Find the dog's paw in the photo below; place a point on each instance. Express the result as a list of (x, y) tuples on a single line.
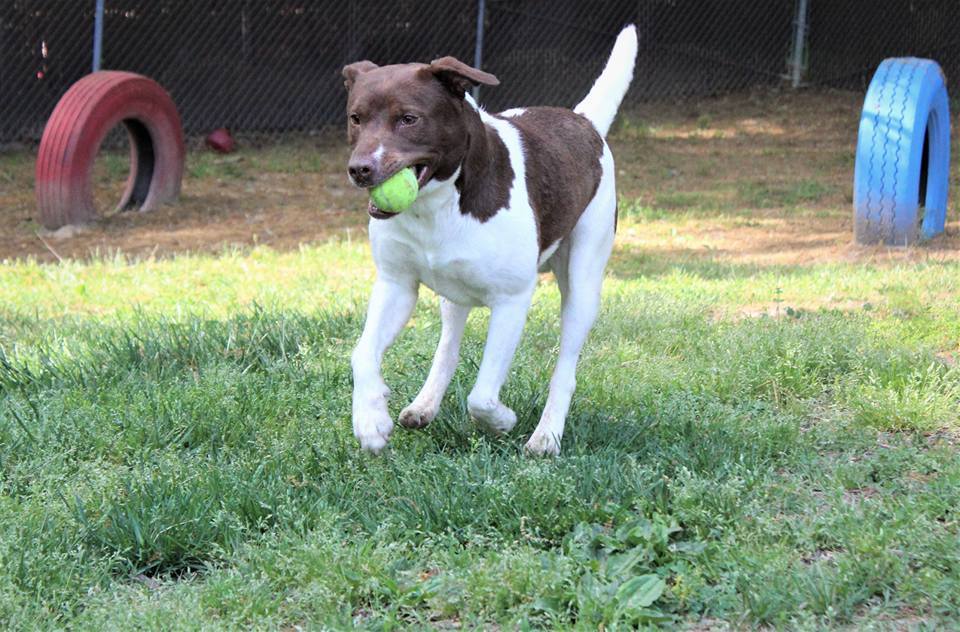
[(496, 417), (542, 444), (415, 417), (374, 443), (504, 421), (372, 428)]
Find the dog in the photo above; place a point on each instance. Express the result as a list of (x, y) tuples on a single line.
[(502, 197)]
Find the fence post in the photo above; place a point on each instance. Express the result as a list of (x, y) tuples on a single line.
[(799, 42), (98, 36), (478, 51)]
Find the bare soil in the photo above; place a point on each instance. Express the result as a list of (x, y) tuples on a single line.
[(762, 178), (768, 176)]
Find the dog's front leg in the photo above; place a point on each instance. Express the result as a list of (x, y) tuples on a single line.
[(390, 307), (507, 318), (425, 406)]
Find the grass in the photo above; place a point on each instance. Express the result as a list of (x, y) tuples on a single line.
[(176, 447), (754, 441)]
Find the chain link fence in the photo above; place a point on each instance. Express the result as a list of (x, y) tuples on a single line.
[(274, 65), (44, 48), (848, 40)]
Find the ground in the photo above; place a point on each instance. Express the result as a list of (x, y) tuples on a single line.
[(765, 431), (784, 199)]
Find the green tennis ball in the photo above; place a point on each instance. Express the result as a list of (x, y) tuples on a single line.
[(397, 192)]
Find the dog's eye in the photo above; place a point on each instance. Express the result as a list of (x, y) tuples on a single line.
[(355, 119), (409, 119)]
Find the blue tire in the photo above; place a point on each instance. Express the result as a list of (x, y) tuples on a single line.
[(905, 112)]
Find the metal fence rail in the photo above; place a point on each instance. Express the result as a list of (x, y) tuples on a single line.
[(274, 65)]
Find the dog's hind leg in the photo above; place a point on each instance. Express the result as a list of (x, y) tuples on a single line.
[(507, 318), (579, 267), (390, 307), (424, 407)]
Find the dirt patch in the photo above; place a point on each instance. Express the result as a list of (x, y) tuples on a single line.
[(762, 178), (282, 195), (792, 240)]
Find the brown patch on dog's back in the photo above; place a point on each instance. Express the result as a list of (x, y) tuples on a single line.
[(562, 152)]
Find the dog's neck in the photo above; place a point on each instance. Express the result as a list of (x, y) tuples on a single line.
[(480, 184)]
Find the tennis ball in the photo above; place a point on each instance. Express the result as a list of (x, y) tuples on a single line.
[(397, 192)]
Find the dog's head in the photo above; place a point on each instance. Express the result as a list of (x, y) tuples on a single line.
[(408, 115)]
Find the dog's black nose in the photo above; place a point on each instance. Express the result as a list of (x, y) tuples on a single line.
[(361, 172)]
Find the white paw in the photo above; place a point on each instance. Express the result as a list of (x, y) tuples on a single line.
[(372, 427), (497, 417), (374, 443), (542, 444), (414, 416), (503, 421)]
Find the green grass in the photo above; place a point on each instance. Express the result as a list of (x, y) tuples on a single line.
[(766, 195), (295, 155), (176, 452)]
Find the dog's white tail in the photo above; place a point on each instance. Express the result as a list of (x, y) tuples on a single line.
[(601, 104)]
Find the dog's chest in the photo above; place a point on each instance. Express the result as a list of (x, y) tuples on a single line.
[(460, 258)]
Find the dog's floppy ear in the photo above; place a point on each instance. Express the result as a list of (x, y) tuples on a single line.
[(459, 77), (351, 71)]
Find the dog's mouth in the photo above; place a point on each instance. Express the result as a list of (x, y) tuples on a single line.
[(423, 173), (374, 211)]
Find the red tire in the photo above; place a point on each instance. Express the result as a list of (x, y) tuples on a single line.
[(77, 127)]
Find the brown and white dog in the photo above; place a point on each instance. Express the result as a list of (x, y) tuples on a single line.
[(502, 196)]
